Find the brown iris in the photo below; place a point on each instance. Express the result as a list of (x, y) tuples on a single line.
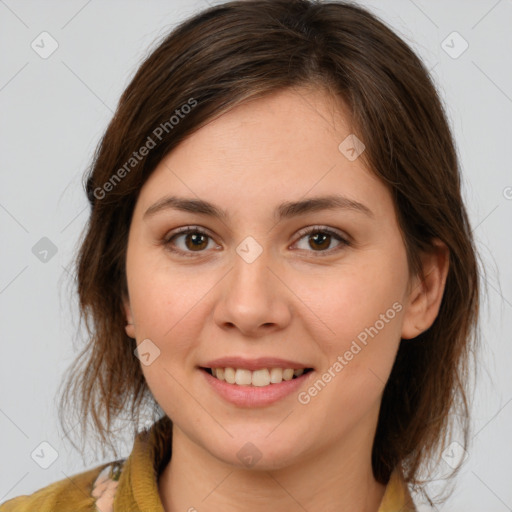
[(196, 241), (320, 238)]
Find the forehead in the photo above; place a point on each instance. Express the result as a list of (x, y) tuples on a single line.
[(276, 148)]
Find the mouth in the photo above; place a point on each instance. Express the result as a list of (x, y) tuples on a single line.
[(262, 377)]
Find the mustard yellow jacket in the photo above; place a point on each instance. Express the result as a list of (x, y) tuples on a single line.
[(131, 485)]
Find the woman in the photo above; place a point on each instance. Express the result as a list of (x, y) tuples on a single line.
[(279, 260)]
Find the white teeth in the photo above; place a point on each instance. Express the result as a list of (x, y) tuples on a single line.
[(259, 378), (288, 374), (276, 375), (243, 377), (229, 375)]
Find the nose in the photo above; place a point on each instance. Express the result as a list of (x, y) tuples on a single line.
[(253, 299)]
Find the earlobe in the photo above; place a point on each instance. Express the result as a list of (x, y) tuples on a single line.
[(427, 293), (130, 324)]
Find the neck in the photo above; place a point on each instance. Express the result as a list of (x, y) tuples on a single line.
[(331, 480)]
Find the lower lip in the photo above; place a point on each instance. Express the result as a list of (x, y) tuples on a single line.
[(255, 396)]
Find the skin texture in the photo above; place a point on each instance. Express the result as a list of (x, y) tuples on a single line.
[(300, 300)]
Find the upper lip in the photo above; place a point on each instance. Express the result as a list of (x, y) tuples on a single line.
[(254, 364)]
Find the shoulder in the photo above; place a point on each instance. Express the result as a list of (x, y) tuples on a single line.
[(89, 491)]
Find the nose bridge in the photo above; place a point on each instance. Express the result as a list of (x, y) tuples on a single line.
[(251, 276), (253, 297)]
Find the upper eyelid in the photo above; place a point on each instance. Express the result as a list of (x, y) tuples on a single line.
[(319, 227)]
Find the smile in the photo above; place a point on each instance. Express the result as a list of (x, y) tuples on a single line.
[(255, 388), (258, 378)]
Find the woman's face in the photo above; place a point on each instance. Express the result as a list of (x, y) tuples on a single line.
[(259, 284)]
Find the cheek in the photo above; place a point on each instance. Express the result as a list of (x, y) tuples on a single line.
[(356, 298), (156, 294), (167, 310), (168, 304), (361, 307)]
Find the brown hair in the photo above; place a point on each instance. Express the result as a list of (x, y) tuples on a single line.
[(242, 50)]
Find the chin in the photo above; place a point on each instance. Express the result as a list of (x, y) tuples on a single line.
[(259, 451)]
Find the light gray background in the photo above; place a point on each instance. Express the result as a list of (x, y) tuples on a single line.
[(53, 112)]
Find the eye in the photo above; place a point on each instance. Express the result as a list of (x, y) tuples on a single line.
[(320, 239), (194, 240)]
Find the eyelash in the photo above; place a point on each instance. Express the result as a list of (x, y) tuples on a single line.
[(167, 241)]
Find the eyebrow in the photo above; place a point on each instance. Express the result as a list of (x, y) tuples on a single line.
[(283, 211)]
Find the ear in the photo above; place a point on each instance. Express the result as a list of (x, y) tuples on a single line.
[(425, 296), (130, 324)]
